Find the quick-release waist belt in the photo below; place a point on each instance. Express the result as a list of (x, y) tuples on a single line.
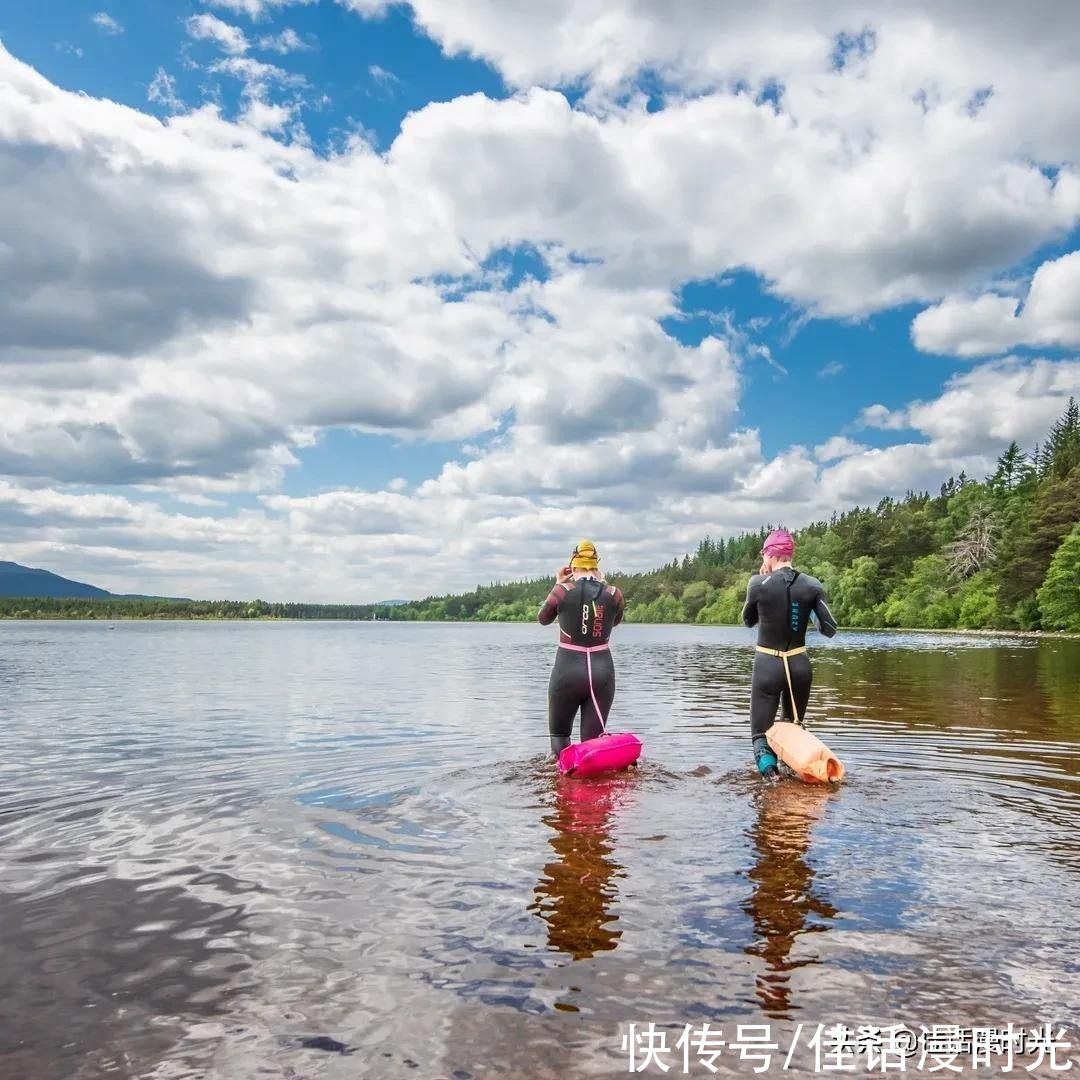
[(780, 652), (583, 648)]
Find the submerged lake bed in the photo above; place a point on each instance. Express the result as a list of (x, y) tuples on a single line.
[(338, 849)]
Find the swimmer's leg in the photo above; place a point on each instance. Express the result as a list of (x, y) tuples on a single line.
[(564, 698), (603, 686), (559, 744), (764, 701), (802, 678)]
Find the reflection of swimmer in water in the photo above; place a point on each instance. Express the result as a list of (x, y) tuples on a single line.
[(576, 890), (583, 676), (780, 601), (784, 896)]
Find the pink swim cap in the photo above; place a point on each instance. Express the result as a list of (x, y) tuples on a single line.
[(779, 544)]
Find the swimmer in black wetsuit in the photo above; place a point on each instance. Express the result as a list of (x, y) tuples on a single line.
[(779, 601), (583, 676)]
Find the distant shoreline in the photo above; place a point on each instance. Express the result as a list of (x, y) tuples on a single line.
[(1036, 635)]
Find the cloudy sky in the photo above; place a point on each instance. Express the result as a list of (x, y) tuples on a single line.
[(336, 300)]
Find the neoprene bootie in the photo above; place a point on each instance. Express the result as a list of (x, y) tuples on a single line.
[(765, 758)]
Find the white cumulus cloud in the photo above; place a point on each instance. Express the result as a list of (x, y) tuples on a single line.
[(836, 447), (994, 323)]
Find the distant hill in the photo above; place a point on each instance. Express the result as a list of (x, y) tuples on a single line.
[(390, 603), (27, 581), (16, 580)]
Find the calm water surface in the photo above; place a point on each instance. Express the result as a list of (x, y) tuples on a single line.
[(337, 850)]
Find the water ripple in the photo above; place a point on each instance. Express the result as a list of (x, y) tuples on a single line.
[(274, 850)]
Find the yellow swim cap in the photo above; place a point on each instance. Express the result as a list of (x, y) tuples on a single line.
[(585, 557)]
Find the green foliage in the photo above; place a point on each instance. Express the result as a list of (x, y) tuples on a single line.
[(726, 607), (1000, 554), (695, 597), (923, 598), (1059, 596), (861, 592), (1013, 469), (1062, 451), (116, 608), (664, 609), (978, 599)]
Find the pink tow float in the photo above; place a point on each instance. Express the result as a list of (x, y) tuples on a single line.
[(609, 752)]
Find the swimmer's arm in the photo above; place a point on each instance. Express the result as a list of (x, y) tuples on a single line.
[(620, 606), (825, 621), (750, 611), (550, 607)]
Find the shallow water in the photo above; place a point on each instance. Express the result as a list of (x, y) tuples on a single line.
[(337, 850)]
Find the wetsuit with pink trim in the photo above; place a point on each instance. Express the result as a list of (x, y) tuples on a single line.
[(583, 676)]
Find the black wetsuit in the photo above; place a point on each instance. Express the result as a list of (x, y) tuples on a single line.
[(780, 605), (587, 610)]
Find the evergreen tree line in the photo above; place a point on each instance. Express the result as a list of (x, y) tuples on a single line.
[(111, 608), (998, 553)]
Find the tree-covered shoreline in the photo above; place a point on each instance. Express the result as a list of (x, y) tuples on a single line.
[(252, 613), (1002, 554)]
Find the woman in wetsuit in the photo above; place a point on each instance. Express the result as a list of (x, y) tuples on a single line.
[(779, 601), (583, 676)]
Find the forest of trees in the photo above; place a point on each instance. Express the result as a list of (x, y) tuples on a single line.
[(116, 607), (998, 553)]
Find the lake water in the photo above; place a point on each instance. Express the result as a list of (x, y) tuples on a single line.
[(337, 850)]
